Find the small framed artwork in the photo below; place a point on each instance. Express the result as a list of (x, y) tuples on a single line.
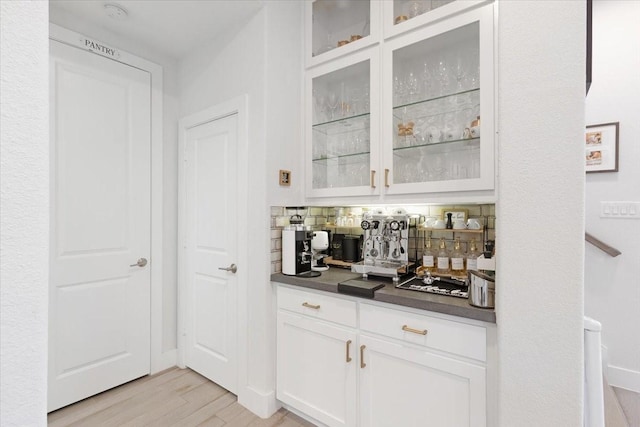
[(601, 147), (455, 214)]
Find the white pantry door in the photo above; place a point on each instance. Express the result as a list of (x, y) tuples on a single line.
[(210, 221), (99, 309)]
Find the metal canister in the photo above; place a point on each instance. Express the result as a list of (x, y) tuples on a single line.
[(482, 289)]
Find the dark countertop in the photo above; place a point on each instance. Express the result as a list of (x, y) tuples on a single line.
[(329, 280)]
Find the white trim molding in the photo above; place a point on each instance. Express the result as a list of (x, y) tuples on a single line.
[(623, 378), (159, 360)]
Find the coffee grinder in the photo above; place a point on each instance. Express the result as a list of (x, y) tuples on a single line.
[(296, 251), (319, 245)]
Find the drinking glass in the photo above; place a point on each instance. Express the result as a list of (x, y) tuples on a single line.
[(333, 100), (426, 80), (443, 77), (412, 87)]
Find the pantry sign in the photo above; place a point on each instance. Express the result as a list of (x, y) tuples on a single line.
[(100, 48)]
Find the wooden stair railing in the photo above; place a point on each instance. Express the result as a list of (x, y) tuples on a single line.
[(601, 245)]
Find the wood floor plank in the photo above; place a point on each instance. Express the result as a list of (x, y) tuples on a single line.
[(173, 398), (299, 420), (212, 422), (72, 413), (275, 420), (207, 411), (196, 399)]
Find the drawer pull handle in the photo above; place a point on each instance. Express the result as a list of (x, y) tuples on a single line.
[(348, 356), (315, 307), (362, 364), (415, 331)]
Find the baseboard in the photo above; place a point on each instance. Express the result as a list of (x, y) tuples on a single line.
[(623, 378), (260, 403), (166, 360)]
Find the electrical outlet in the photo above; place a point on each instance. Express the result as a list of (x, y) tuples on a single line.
[(623, 210)]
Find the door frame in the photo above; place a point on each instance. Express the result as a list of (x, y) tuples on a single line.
[(240, 107), (159, 360)]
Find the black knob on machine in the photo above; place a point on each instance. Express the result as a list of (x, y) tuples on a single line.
[(365, 225)]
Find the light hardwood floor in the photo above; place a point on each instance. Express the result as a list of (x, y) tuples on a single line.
[(175, 397)]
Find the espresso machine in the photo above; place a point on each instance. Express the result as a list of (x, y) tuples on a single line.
[(386, 244), (296, 251)]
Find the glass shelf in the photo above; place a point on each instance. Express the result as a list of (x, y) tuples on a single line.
[(454, 100), (343, 124), (343, 159), (445, 146)]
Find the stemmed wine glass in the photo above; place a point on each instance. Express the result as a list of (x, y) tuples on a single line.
[(333, 101)]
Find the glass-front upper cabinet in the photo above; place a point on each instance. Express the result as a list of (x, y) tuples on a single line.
[(438, 130), (404, 15), (341, 142), (338, 27)]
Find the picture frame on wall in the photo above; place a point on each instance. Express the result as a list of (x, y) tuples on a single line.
[(601, 147)]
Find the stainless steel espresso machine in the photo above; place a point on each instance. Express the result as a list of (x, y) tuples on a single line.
[(386, 244), (296, 251)]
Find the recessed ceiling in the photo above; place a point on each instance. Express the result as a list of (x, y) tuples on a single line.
[(170, 27)]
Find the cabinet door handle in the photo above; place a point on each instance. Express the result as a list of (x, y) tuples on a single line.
[(373, 178), (362, 364), (348, 356), (415, 331), (315, 307), (386, 178)]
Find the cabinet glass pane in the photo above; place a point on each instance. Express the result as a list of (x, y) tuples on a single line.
[(341, 128), (436, 108), (407, 9), (338, 22)]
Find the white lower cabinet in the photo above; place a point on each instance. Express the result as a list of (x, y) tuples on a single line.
[(317, 369), (349, 363), (411, 387)]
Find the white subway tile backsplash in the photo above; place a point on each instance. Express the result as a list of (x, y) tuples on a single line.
[(320, 217)]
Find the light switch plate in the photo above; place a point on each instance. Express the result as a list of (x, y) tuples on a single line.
[(285, 178), (623, 210)]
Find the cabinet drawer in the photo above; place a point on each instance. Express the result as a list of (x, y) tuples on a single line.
[(433, 332), (318, 306)]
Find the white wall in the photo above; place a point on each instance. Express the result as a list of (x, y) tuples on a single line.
[(24, 217), (612, 285), (285, 136), (540, 250)]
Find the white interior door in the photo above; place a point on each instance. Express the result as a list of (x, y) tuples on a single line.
[(210, 203), (99, 312)]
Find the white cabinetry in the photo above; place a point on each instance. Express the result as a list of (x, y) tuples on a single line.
[(316, 366), (407, 382), (345, 362), (401, 113)]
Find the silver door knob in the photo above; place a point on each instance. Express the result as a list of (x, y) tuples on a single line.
[(141, 263), (232, 268)]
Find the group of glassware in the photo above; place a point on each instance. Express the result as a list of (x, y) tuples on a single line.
[(351, 143), (415, 8), (341, 172), (340, 102), (441, 166), (454, 72)]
